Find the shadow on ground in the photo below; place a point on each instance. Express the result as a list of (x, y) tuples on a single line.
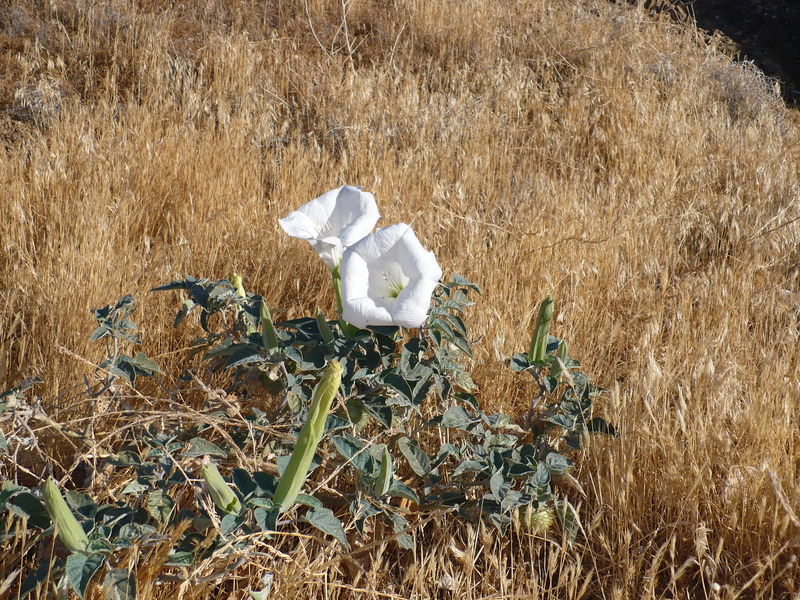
[(765, 31)]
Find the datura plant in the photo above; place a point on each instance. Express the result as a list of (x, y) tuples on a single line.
[(367, 424)]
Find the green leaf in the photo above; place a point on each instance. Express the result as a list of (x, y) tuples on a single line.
[(334, 423), (404, 540), (160, 505), (456, 417), (600, 425), (244, 356), (3, 443), (541, 478), (146, 364), (99, 333), (499, 485), (179, 558), (119, 584), (82, 504), (417, 459), (458, 280), (519, 363), (561, 420), (184, 311), (200, 447), (29, 507), (81, 568), (352, 449), (401, 490), (231, 523), (37, 577), (324, 520), (398, 383), (243, 481), (469, 466), (557, 463)]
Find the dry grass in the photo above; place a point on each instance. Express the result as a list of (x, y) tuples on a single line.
[(573, 147)]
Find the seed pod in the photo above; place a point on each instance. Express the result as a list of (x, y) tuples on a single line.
[(221, 493), (69, 530), (357, 414), (310, 436), (539, 340), (540, 520), (561, 353)]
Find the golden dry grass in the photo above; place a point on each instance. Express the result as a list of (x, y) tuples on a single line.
[(590, 150)]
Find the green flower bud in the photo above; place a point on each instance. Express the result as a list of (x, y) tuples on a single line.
[(310, 436), (268, 335), (385, 475), (324, 328), (69, 530), (221, 493), (539, 340)]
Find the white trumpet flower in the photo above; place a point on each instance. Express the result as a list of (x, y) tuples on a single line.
[(333, 221), (388, 279)]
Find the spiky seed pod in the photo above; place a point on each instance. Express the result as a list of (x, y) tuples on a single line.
[(310, 435), (69, 530), (541, 520), (538, 348), (221, 493), (357, 414)]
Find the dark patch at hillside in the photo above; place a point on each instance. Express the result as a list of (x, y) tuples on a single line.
[(765, 31)]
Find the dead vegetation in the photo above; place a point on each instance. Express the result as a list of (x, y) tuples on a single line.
[(590, 150)]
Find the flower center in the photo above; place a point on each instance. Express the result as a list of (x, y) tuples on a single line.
[(396, 284)]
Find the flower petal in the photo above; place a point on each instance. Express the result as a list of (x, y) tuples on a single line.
[(411, 307), (334, 220), (298, 225)]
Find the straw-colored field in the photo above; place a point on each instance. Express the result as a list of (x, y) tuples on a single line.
[(585, 149)]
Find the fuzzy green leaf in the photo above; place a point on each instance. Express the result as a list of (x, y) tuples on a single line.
[(80, 569), (417, 459), (324, 520)]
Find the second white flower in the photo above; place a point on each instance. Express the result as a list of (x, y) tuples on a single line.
[(388, 279)]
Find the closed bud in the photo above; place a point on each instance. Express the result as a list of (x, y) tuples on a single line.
[(221, 493), (324, 328), (310, 436), (538, 348), (385, 475), (69, 530), (268, 335)]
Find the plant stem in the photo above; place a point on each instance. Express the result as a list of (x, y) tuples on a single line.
[(347, 329)]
